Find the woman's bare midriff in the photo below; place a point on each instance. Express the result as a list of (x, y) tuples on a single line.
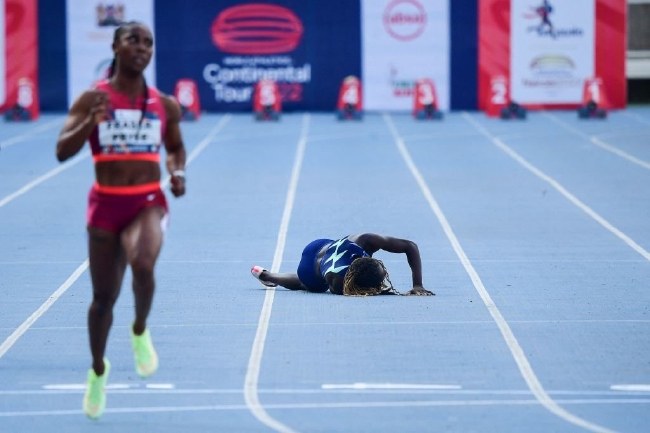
[(125, 173)]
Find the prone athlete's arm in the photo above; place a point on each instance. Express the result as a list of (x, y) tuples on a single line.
[(372, 242)]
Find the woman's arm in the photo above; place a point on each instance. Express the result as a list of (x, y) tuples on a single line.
[(372, 242), (174, 145), (86, 112), (335, 281)]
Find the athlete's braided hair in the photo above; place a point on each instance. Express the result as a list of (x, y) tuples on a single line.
[(111, 70), (366, 277)]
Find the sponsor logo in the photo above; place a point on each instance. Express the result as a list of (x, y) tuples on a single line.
[(401, 87), (552, 65), (405, 20), (256, 28), (257, 35), (545, 27), (109, 14), (234, 81)]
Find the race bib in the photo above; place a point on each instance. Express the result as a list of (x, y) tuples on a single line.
[(126, 134)]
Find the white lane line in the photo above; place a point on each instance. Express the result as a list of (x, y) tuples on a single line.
[(163, 386), (631, 387), (598, 142), (65, 387), (636, 117), (22, 137), (361, 385), (76, 160), (337, 405), (136, 389), (326, 137), (110, 386), (418, 137), (377, 323), (211, 262), (208, 139), (562, 124), (517, 352), (615, 150), (622, 134), (555, 184), (11, 340), (254, 362)]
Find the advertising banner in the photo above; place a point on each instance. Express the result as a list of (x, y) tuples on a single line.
[(18, 59), (552, 50), (90, 29), (307, 48), (403, 41), (545, 50)]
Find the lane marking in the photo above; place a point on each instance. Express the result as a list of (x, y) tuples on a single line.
[(136, 389), (517, 352), (631, 387), (255, 361), (110, 386), (11, 340), (65, 387), (22, 137), (164, 386), (361, 385), (598, 142), (50, 174), (418, 137), (211, 262), (636, 117), (622, 134), (615, 150), (337, 405), (555, 184), (401, 323)]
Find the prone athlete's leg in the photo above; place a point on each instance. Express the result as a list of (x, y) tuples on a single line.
[(142, 242), (107, 265), (288, 281)]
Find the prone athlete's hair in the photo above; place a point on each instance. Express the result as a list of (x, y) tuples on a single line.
[(111, 69), (366, 277)]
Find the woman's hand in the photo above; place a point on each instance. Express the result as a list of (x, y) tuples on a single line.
[(419, 291), (98, 105), (177, 182)]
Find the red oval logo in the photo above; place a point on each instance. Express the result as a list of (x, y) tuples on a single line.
[(256, 28), (405, 20)]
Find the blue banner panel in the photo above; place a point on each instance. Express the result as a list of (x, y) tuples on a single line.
[(227, 46), (464, 54), (52, 77)]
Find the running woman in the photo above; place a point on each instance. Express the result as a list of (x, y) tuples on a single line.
[(126, 123)]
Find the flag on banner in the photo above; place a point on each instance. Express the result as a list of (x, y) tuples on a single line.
[(90, 29)]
